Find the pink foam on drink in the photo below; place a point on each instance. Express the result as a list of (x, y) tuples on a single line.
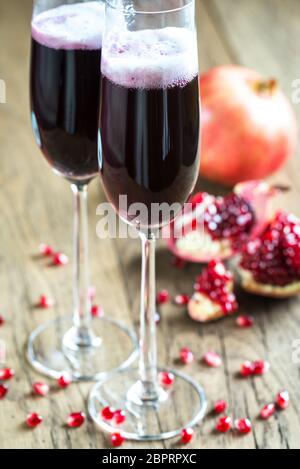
[(75, 26), (156, 58)]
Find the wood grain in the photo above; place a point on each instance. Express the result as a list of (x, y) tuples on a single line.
[(36, 206)]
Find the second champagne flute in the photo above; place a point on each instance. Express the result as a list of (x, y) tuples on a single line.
[(65, 90), (150, 134)]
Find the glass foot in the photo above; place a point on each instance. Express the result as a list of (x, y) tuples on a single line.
[(48, 349), (181, 406)]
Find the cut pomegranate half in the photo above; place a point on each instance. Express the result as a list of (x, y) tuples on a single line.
[(270, 263), (213, 297), (219, 226)]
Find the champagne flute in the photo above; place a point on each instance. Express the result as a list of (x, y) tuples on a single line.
[(149, 124), (65, 90)]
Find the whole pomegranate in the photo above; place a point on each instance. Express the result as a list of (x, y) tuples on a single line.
[(249, 128)]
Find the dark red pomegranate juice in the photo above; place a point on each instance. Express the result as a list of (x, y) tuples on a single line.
[(65, 87), (150, 120)]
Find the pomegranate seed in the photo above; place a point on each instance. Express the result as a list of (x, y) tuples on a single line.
[(3, 391), (46, 302), (107, 413), (117, 439), (6, 374), (267, 411), (60, 259), (76, 419), (212, 359), (178, 263), (64, 380), (186, 356), (2, 320), (197, 198), (181, 300), (162, 297), (46, 250), (157, 317), (220, 406), (97, 311), (224, 424), (187, 435), (243, 425), (33, 420), (119, 417), (282, 399), (166, 378), (244, 321), (247, 369), (260, 367), (40, 389)]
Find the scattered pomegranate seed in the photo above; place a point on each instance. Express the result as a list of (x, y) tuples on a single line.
[(33, 420), (64, 380), (212, 359), (97, 311), (187, 435), (119, 417), (107, 413), (2, 320), (6, 374), (243, 425), (46, 302), (282, 399), (244, 321), (220, 406), (46, 250), (247, 369), (186, 356), (166, 378), (224, 424), (197, 198), (260, 367), (60, 259), (117, 439), (267, 411), (178, 263), (40, 389), (3, 391), (181, 300), (162, 297), (76, 419)]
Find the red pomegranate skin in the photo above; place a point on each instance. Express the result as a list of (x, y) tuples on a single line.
[(246, 133)]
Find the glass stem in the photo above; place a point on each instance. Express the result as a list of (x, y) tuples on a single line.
[(81, 300), (148, 348)]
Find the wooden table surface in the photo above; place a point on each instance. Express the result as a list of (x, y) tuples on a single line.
[(36, 206)]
